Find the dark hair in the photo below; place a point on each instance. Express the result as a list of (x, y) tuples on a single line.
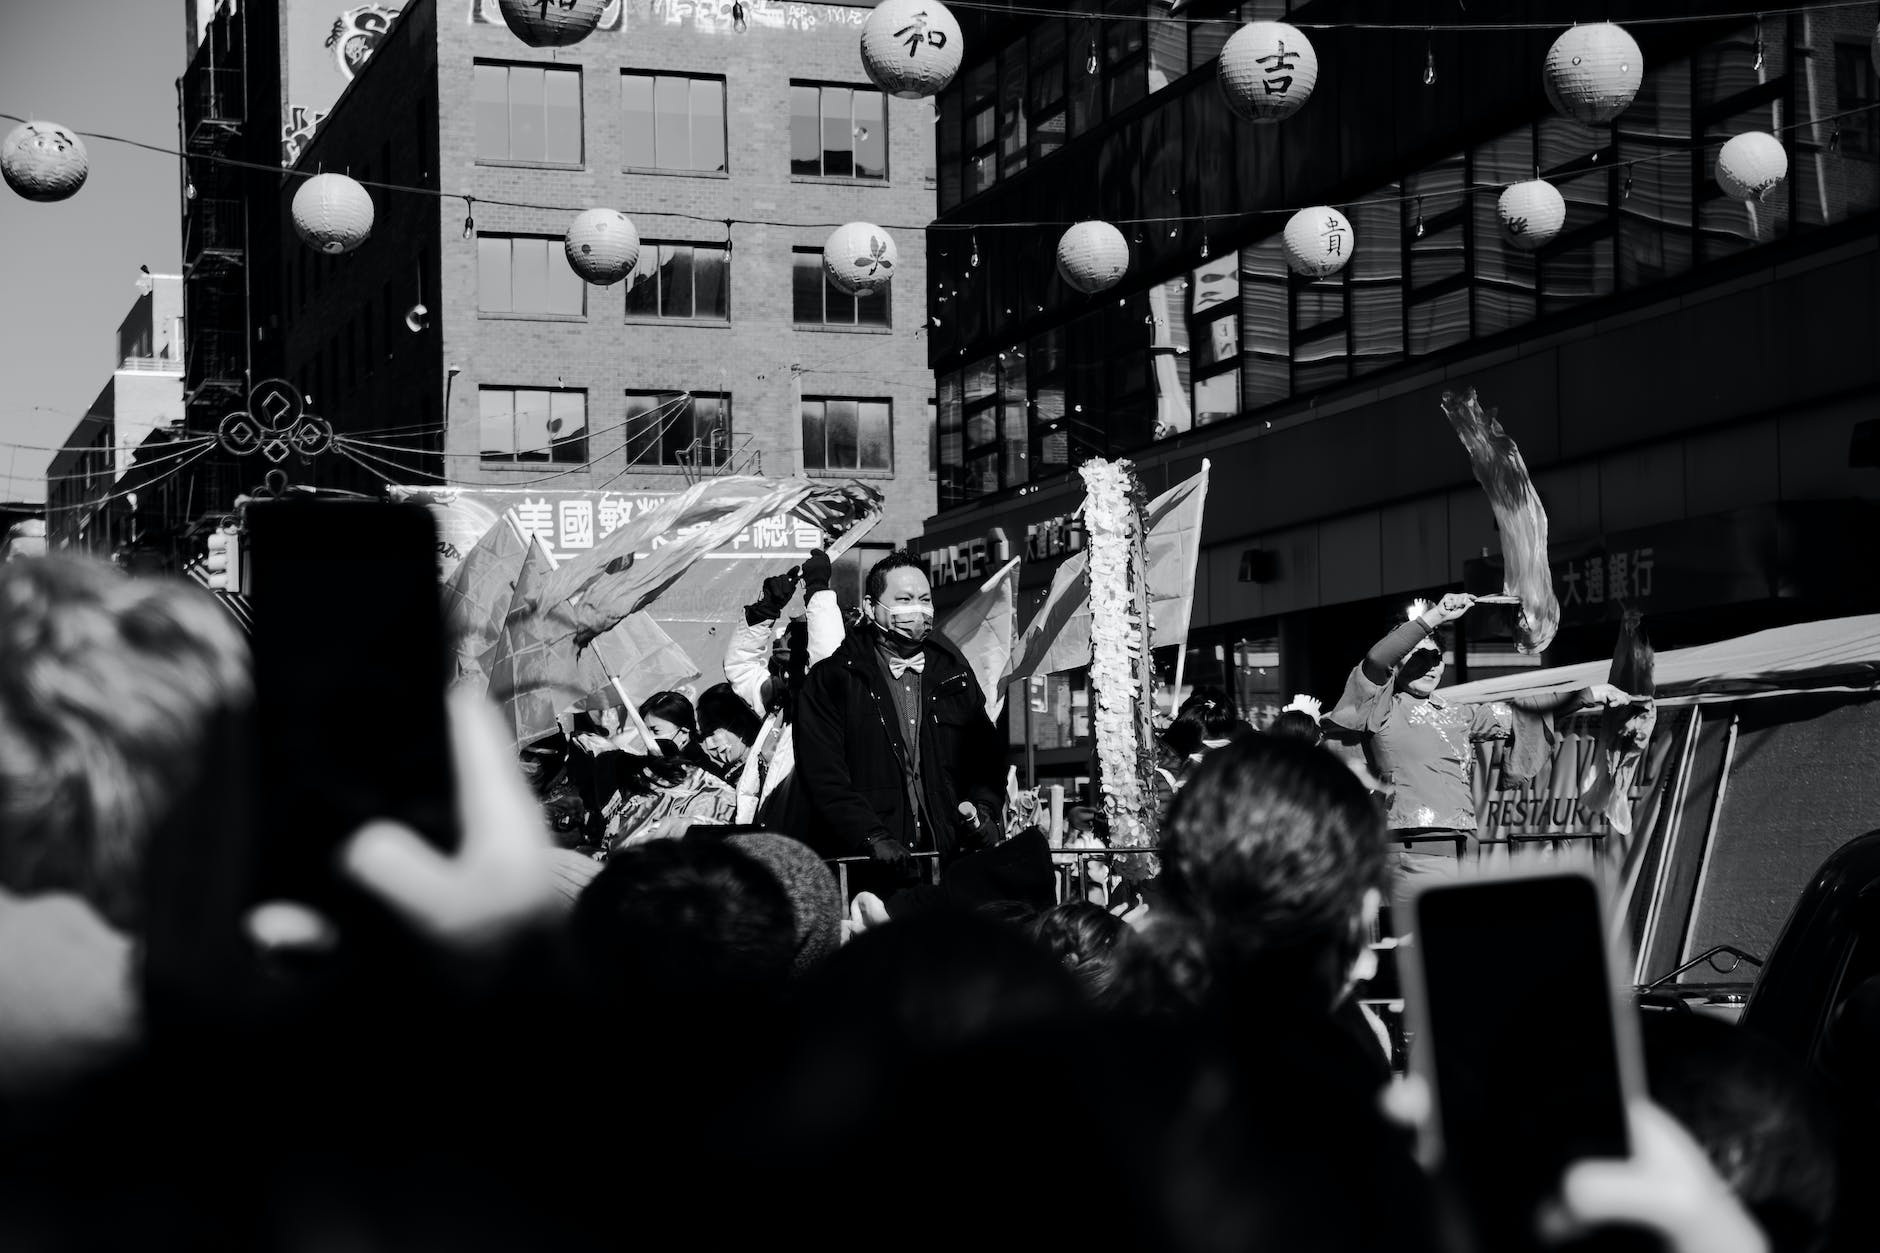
[(1760, 1115), (1183, 737), (720, 707), (683, 919), (671, 707), (1270, 848), (899, 559), (1212, 711), (1083, 938), (1296, 724)]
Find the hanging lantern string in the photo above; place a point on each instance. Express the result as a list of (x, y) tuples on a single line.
[(1176, 19), (1667, 154)]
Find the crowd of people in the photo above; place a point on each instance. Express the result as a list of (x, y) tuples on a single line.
[(633, 1003)]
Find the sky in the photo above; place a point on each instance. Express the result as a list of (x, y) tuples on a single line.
[(68, 273)]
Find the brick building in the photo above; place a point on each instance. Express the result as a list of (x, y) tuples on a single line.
[(724, 352)]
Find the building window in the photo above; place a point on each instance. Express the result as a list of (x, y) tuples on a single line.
[(838, 132), (689, 429), (844, 434), (528, 113), (1214, 339), (818, 302), (680, 280), (1856, 92), (527, 274), (530, 424), (673, 121)]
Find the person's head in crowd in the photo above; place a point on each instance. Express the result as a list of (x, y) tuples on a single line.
[(685, 920), (815, 899), (1210, 711), (1759, 1116), (1274, 851), (668, 767), (899, 601), (544, 763), (1181, 739), (109, 686), (1422, 671), (1296, 724), (727, 726), (1083, 937), (669, 716)]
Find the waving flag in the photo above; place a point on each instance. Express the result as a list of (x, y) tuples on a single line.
[(533, 673), (1058, 636), (1174, 546), (477, 597), (981, 627), (1518, 515), (640, 654)]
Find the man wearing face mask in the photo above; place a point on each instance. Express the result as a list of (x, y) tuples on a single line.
[(1421, 748), (894, 753)]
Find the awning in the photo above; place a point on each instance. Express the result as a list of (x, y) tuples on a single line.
[(1837, 653)]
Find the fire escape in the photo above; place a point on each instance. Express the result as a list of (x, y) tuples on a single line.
[(215, 245)]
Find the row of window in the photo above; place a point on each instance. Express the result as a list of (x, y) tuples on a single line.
[(1430, 269), (532, 114), (675, 429), (679, 280)]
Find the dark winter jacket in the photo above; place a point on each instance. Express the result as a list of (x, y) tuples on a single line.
[(851, 757)]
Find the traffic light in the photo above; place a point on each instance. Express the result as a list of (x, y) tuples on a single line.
[(224, 562)]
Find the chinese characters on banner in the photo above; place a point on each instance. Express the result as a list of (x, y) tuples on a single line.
[(1605, 577), (567, 522)]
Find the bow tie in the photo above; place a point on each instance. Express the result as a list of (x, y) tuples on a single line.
[(898, 666)]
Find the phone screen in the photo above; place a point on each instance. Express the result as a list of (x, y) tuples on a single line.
[(350, 667), (1519, 1012)]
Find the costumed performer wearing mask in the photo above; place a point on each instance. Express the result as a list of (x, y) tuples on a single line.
[(1421, 748), (894, 752)]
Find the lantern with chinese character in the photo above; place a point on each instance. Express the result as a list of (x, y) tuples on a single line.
[(551, 23), (1093, 256), (333, 213), (1531, 213), (911, 48), (1318, 242), (44, 161), (1267, 71), (1593, 72), (859, 258), (1751, 165), (602, 246)]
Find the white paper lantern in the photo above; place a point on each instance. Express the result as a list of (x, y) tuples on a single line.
[(1751, 165), (859, 258), (602, 246), (1093, 256), (911, 48), (551, 23), (1267, 71), (1318, 242), (332, 213), (44, 161), (1593, 72), (1532, 213)]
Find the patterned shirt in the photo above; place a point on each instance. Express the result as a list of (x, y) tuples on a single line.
[(1422, 750)]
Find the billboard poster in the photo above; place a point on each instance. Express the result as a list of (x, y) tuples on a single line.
[(698, 612), (325, 43)]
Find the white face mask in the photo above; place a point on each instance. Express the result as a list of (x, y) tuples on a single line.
[(911, 622)]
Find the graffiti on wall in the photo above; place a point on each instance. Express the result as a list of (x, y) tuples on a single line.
[(709, 16), (357, 33), (297, 131)]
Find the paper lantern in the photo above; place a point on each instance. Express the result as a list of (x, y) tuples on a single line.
[(1267, 71), (44, 161), (1593, 72), (602, 246), (911, 48), (1093, 256), (1318, 242), (1531, 213), (332, 213), (551, 23), (859, 258), (1751, 165)]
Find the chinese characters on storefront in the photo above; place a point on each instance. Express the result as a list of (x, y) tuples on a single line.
[(1623, 576)]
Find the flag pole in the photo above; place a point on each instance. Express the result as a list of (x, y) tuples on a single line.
[(633, 713), (1181, 649)]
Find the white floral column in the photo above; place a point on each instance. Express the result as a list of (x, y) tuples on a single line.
[(1119, 661)]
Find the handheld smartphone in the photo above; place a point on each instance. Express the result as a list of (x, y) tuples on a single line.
[(1528, 1045), (351, 664)]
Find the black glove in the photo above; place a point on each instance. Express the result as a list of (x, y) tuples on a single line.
[(816, 573), (973, 824), (892, 854), (778, 589)]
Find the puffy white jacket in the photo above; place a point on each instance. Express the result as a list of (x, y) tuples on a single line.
[(747, 669)]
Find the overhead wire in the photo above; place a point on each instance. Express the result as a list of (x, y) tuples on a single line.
[(96, 501)]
